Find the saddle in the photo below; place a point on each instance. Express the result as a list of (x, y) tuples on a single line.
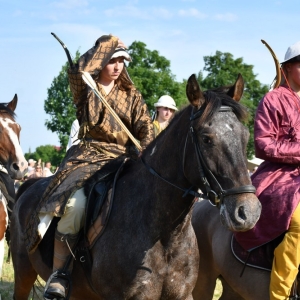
[(99, 190), (260, 257)]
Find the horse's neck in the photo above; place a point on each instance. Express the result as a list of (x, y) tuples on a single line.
[(165, 157), (166, 153)]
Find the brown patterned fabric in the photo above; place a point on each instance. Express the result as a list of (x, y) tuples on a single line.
[(102, 137)]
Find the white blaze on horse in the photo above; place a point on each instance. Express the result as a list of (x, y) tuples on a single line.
[(13, 164)]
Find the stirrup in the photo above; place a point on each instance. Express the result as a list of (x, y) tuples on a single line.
[(62, 275)]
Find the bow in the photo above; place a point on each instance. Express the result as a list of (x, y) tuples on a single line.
[(277, 79), (66, 50)]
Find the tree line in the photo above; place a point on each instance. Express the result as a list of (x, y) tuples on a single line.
[(151, 73)]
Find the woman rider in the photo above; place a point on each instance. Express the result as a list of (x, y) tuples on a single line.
[(102, 139)]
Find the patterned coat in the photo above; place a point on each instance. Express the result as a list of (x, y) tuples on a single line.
[(102, 137), (277, 179)]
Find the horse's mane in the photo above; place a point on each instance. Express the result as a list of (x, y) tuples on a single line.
[(4, 108), (214, 99), (25, 185)]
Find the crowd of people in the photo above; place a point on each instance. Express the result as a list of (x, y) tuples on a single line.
[(38, 169), (35, 169)]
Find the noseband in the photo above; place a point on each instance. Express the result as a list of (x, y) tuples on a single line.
[(215, 197)]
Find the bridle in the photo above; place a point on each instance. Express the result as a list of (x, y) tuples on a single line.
[(215, 197)]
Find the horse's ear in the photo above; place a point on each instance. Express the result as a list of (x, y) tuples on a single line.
[(193, 92), (13, 103), (236, 91)]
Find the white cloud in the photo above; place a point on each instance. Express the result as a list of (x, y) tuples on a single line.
[(225, 17), (192, 12)]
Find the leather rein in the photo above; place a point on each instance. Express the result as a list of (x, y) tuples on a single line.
[(215, 197)]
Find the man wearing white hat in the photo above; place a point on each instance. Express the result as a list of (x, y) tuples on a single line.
[(277, 179), (31, 166), (165, 108)]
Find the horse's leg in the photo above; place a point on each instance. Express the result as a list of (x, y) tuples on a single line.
[(207, 276), (205, 285), (25, 275), (228, 293)]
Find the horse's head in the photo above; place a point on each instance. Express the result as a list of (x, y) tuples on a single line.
[(12, 159), (219, 140)]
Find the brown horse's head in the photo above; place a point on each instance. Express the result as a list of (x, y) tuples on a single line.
[(12, 159), (220, 139)]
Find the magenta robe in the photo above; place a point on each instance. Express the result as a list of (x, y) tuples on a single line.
[(277, 180)]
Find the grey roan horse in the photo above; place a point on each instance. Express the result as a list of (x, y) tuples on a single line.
[(148, 249), (217, 261)]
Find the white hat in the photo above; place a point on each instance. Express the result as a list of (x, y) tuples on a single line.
[(31, 161), (166, 101), (292, 53), (121, 52)]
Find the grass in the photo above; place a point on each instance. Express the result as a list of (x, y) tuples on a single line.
[(7, 279), (7, 282), (218, 290)]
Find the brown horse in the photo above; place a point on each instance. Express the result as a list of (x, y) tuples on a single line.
[(12, 164), (217, 261), (148, 249)]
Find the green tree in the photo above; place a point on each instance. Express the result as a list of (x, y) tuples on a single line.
[(46, 153), (152, 75), (222, 69), (59, 105)]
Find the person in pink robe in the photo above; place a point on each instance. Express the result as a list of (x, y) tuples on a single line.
[(277, 180)]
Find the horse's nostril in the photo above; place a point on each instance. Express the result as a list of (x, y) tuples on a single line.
[(15, 166), (241, 213)]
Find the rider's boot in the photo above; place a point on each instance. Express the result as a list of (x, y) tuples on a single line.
[(63, 245)]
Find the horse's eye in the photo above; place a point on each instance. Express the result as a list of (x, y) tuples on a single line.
[(206, 140)]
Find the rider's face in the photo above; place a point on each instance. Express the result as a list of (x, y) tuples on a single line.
[(293, 73), (112, 70), (165, 113)]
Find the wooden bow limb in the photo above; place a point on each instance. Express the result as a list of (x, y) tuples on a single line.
[(66, 50), (87, 78), (277, 79)]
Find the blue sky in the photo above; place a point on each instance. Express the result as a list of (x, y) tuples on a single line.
[(181, 30)]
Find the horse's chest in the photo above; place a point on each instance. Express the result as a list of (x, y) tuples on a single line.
[(168, 276)]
